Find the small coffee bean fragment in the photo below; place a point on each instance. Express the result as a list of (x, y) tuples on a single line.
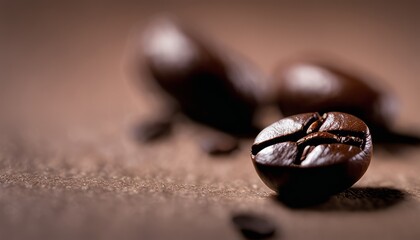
[(306, 158), (151, 131), (218, 144), (253, 226), (312, 86)]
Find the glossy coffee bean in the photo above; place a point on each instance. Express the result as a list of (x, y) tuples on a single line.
[(307, 157), (211, 85), (309, 86)]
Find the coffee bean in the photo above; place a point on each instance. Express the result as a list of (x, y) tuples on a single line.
[(310, 86), (253, 226), (307, 157), (153, 130), (219, 144), (211, 85)]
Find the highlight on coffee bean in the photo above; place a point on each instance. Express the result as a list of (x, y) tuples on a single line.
[(209, 83), (309, 85)]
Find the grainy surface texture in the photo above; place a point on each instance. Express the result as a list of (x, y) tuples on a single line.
[(70, 169)]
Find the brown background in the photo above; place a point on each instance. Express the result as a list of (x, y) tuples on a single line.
[(69, 169)]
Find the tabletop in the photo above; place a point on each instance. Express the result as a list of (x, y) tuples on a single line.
[(70, 168)]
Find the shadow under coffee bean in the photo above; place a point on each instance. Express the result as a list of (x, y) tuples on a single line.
[(357, 199), (363, 199), (307, 158)]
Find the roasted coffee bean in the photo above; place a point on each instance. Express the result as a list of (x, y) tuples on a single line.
[(219, 144), (150, 131), (211, 85), (307, 157), (253, 226), (309, 86)]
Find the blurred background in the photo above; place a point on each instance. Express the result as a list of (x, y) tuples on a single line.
[(60, 50), (68, 98)]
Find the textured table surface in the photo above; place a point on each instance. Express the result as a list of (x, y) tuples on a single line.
[(69, 168)]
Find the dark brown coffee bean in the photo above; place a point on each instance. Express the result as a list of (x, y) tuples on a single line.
[(253, 226), (219, 144), (211, 85), (309, 86), (153, 130), (307, 157)]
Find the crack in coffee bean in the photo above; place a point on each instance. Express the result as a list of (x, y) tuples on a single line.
[(291, 137), (313, 137), (308, 156), (319, 138)]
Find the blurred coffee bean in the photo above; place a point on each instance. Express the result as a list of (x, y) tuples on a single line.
[(219, 144), (253, 226), (211, 85), (309, 86), (152, 130)]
